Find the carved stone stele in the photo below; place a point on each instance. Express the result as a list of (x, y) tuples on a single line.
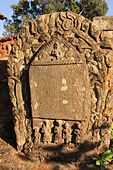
[(60, 71)]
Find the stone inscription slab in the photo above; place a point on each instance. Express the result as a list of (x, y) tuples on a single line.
[(59, 91)]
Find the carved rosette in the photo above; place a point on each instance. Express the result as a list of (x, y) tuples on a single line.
[(65, 33)]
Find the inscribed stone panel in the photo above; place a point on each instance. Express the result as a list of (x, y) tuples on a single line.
[(59, 91)]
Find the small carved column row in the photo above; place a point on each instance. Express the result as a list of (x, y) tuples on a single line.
[(57, 131)]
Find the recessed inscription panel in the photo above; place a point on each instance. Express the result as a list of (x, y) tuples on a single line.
[(59, 91)]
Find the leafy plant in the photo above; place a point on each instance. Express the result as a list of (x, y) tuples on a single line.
[(107, 156)]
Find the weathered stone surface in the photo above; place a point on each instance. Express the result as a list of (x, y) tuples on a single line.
[(104, 22), (54, 90), (55, 83), (50, 49), (5, 47)]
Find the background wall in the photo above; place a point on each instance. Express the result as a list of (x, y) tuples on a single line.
[(6, 118)]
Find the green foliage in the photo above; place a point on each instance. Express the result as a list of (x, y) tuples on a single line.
[(92, 8), (25, 10), (107, 156)]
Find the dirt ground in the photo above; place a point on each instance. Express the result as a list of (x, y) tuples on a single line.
[(10, 159)]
